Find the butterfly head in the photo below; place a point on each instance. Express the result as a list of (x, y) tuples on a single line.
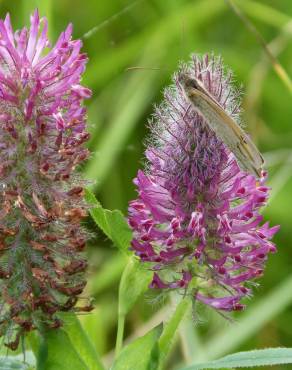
[(189, 83)]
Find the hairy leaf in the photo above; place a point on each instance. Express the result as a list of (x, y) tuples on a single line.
[(261, 357)]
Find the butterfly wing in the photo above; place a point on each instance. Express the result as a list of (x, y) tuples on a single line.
[(239, 143)]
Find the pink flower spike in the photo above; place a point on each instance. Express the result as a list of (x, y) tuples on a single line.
[(42, 137), (204, 211)]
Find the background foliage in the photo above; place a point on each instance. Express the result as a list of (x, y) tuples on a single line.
[(161, 33)]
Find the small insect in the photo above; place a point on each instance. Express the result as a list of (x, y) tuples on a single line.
[(238, 142)]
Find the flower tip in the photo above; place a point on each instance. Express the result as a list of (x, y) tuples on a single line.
[(35, 18), (68, 31), (7, 19)]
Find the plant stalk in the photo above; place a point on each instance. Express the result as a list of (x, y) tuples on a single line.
[(120, 334), (166, 338)]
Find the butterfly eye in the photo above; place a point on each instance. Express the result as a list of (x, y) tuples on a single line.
[(195, 84), (187, 81), (192, 83)]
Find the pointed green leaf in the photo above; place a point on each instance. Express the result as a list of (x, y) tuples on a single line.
[(262, 357), (112, 223), (50, 346), (142, 354), (57, 352), (81, 342)]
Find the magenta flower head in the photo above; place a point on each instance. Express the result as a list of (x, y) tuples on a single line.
[(42, 132), (197, 217)]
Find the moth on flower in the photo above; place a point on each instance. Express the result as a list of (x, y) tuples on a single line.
[(237, 141), (42, 136), (197, 216)]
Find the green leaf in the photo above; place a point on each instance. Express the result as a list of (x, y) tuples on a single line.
[(112, 223), (261, 357), (134, 282), (142, 354), (10, 363), (50, 346), (57, 352), (81, 342)]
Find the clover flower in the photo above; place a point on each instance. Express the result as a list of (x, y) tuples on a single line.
[(42, 132), (197, 217)]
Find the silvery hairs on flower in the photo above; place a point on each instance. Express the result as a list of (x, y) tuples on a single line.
[(42, 132), (197, 216)]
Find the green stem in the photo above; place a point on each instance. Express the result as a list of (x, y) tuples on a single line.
[(166, 338), (120, 333)]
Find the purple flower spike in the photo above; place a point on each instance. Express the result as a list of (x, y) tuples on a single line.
[(42, 132), (197, 214)]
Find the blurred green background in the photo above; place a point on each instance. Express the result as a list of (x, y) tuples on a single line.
[(160, 34)]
